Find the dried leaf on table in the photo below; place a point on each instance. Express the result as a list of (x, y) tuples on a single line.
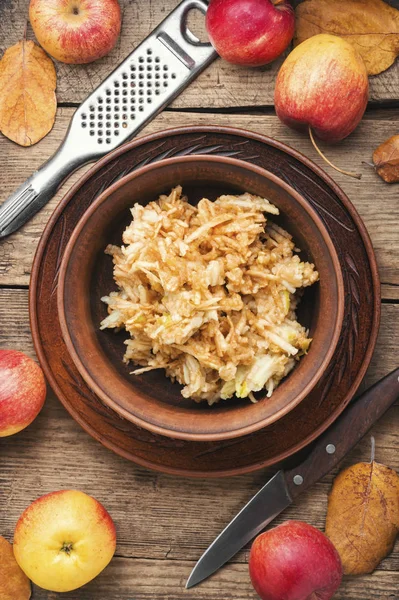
[(386, 160), (363, 515), (14, 584), (27, 93), (372, 26)]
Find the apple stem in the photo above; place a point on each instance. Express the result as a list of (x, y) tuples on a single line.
[(372, 459), (349, 173)]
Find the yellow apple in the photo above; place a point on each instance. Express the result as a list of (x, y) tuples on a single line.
[(63, 540), (76, 31)]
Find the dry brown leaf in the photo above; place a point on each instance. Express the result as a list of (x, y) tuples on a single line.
[(14, 584), (363, 516), (386, 160), (372, 26), (27, 93)]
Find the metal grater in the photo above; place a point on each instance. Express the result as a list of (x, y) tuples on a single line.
[(135, 92)]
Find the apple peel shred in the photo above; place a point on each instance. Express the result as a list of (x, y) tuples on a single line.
[(208, 293)]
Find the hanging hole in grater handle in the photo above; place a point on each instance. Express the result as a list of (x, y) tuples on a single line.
[(193, 20)]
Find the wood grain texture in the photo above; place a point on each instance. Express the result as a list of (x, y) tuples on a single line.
[(127, 579), (375, 200), (221, 85), (164, 523)]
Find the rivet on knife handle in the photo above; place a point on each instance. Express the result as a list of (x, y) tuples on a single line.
[(133, 94), (344, 434)]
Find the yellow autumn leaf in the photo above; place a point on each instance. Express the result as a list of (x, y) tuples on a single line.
[(14, 584), (372, 26), (363, 515), (27, 93)]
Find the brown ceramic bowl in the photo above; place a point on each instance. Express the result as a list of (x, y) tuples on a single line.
[(151, 400)]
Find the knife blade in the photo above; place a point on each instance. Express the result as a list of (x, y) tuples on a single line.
[(285, 486)]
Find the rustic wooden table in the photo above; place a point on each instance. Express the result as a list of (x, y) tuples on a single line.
[(164, 523)]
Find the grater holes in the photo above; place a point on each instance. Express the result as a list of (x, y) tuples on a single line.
[(149, 51), (91, 108), (124, 124), (84, 124), (100, 117), (108, 92), (107, 132), (116, 83), (100, 140), (165, 67), (108, 124), (173, 76), (141, 108), (157, 59), (132, 67), (108, 140), (124, 94), (157, 68), (124, 76), (91, 131), (84, 116), (99, 100), (141, 68), (124, 117), (124, 84), (116, 132), (141, 59), (165, 75)]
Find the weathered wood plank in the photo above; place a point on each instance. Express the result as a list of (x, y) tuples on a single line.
[(375, 200), (220, 86), (129, 579), (157, 516)]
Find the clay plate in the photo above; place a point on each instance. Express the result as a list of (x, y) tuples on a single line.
[(340, 380)]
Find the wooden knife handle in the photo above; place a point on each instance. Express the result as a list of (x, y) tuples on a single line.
[(344, 434)]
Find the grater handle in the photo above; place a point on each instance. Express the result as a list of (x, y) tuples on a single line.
[(36, 191)]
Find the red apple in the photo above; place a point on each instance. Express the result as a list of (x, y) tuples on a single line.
[(22, 391), (76, 31), (250, 32), (294, 561), (63, 540), (323, 84)]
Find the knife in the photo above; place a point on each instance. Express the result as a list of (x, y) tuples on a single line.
[(285, 486)]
